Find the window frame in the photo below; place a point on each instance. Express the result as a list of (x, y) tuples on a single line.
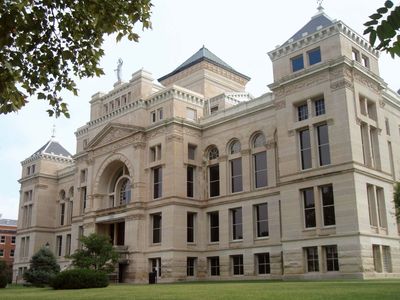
[(308, 210), (312, 259), (191, 227), (236, 223), (213, 228), (157, 182), (266, 264), (324, 152), (259, 221), (325, 207), (156, 229), (237, 265), (298, 58), (305, 150), (319, 58)]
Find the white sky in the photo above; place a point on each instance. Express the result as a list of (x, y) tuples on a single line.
[(239, 32)]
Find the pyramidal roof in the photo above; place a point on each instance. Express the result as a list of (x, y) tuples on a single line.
[(317, 22), (203, 55), (54, 148)]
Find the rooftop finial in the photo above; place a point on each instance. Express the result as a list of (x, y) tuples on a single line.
[(53, 133), (320, 8)]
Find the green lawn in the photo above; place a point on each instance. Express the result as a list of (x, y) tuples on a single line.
[(324, 290)]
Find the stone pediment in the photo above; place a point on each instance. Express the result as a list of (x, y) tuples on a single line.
[(111, 133)]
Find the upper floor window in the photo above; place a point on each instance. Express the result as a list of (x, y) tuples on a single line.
[(160, 114), (355, 55), (191, 217), (191, 114), (191, 151), (234, 147), (157, 182), (237, 223), (319, 106), (309, 208), (365, 61), (302, 112), (214, 226), (328, 205), (314, 56), (214, 109), (213, 153), (297, 63), (190, 171), (305, 149), (155, 153), (236, 167), (153, 116), (156, 220), (258, 140), (261, 211), (323, 145)]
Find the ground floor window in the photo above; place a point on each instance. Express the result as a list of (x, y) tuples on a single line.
[(312, 259), (332, 261), (213, 263), (237, 264), (263, 263), (190, 266), (155, 265)]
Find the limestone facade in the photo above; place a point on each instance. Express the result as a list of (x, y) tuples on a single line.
[(199, 180)]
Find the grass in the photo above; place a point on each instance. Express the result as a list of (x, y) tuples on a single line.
[(320, 290)]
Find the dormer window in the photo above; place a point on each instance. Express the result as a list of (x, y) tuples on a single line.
[(297, 63), (314, 56)]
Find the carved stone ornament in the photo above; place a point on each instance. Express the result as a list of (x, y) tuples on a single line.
[(341, 84), (366, 82), (270, 144), (280, 104)]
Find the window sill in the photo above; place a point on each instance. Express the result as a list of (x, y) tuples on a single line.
[(213, 243), (262, 238), (236, 241), (155, 244)]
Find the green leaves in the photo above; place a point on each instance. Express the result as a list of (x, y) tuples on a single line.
[(385, 30), (44, 44)]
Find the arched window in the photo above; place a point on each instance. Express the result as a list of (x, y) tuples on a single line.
[(62, 195), (213, 172), (125, 191), (259, 154), (235, 163), (258, 140), (213, 153), (235, 147), (120, 188)]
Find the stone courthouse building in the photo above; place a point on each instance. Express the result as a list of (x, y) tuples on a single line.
[(194, 177)]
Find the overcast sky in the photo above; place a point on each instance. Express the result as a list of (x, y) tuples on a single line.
[(239, 32)]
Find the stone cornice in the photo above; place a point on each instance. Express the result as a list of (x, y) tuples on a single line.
[(58, 158), (337, 28)]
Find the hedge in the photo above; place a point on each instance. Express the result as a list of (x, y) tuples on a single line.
[(79, 279)]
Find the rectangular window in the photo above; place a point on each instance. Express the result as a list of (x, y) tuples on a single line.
[(314, 56), (309, 208), (83, 198), (236, 173), (153, 116), (191, 217), (365, 61), (328, 205), (33, 167), (2, 239), (190, 266), (260, 169), (1, 252), (157, 182), (190, 181), (355, 55), (323, 145), (83, 175), (376, 254), (387, 126), (156, 219), (155, 153), (263, 263), (237, 223), (297, 63), (213, 263), (332, 261), (302, 112), (62, 213), (380, 199), (305, 149), (191, 114), (80, 234), (373, 218), (68, 245), (13, 239), (214, 109), (12, 253), (28, 170), (192, 151), (160, 114), (28, 196), (214, 226), (312, 259), (214, 180), (319, 106), (261, 211), (386, 259), (58, 245), (237, 264)]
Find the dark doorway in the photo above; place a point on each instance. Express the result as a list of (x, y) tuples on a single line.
[(111, 232), (122, 272), (121, 234)]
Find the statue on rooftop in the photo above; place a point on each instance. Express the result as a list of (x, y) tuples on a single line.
[(119, 69)]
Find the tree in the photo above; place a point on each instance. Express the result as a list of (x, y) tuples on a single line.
[(5, 274), (43, 268), (387, 30), (396, 199), (97, 253), (44, 42)]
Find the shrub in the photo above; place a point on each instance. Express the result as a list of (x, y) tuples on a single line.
[(43, 268), (79, 279)]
